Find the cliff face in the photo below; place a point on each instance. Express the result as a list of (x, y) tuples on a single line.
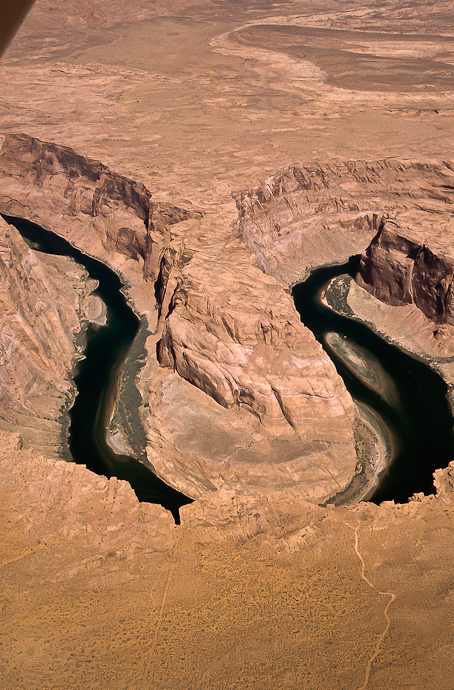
[(223, 321), (401, 266), (287, 420), (107, 216), (103, 211), (244, 345), (233, 332), (39, 316), (332, 211)]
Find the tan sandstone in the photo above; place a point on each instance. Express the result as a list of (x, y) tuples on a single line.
[(216, 330)]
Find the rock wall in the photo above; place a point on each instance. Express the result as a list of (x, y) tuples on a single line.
[(105, 213), (243, 344), (223, 319), (402, 267), (306, 216), (221, 323), (40, 300)]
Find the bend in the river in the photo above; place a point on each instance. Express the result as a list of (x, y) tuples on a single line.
[(97, 377), (403, 398)]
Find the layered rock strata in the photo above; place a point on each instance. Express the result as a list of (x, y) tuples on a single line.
[(245, 346), (332, 210), (105, 214), (41, 300), (281, 416), (224, 327), (255, 354)]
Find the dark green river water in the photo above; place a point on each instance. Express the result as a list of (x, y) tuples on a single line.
[(414, 409)]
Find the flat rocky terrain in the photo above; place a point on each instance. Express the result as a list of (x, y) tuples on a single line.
[(211, 153)]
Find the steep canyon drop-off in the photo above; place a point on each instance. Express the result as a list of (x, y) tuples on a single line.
[(233, 332)]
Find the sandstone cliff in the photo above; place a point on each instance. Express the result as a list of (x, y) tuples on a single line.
[(226, 326), (244, 345), (403, 266), (41, 297), (105, 212), (222, 325), (332, 210)]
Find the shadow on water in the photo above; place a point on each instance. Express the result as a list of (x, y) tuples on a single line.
[(97, 376), (417, 415)]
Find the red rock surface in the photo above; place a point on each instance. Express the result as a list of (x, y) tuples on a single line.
[(403, 266)]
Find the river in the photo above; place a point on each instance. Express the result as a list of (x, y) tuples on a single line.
[(407, 396)]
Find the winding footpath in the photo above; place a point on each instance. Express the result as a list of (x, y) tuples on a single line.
[(392, 598)]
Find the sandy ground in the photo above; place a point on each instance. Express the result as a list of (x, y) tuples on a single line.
[(101, 591)]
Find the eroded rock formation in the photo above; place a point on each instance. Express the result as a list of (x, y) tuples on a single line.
[(227, 326), (403, 266), (247, 348), (224, 326), (223, 321), (41, 298), (331, 211), (106, 212)]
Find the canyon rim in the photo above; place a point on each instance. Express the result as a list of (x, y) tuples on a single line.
[(212, 153)]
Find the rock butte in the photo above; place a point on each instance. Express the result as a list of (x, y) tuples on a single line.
[(329, 149)]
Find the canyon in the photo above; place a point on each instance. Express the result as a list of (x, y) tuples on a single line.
[(239, 149), (232, 345)]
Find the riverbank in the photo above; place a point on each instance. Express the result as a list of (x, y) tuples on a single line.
[(410, 428), (373, 442), (408, 328), (374, 450), (404, 326), (100, 420)]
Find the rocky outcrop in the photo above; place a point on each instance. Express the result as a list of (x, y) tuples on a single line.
[(401, 266), (222, 325), (233, 333), (247, 349), (105, 213)]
